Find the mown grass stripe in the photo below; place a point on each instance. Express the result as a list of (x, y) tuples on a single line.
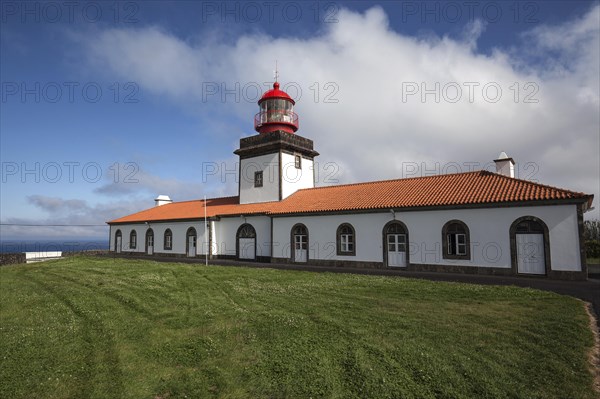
[(109, 328)]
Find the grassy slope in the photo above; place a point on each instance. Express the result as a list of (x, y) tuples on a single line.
[(91, 328)]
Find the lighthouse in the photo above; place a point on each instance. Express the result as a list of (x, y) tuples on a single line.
[(276, 162), (276, 112)]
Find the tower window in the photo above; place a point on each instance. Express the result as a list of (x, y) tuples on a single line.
[(298, 161), (258, 179)]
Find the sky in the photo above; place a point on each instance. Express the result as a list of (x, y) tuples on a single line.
[(105, 105)]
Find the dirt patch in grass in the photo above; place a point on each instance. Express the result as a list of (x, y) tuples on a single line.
[(594, 354)]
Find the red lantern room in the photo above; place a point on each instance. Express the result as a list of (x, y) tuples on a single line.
[(276, 112)]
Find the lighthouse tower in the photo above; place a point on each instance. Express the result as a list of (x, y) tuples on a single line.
[(276, 162)]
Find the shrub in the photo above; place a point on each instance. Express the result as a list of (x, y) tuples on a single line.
[(592, 249), (591, 230)]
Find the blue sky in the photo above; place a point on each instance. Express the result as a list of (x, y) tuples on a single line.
[(105, 106)]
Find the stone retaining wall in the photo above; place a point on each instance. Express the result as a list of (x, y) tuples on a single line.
[(90, 252), (12, 258)]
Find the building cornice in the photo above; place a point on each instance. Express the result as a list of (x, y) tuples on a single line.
[(578, 201), (273, 142)]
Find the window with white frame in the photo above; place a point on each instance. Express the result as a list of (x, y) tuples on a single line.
[(168, 239), (456, 240), (132, 239), (457, 244), (346, 240)]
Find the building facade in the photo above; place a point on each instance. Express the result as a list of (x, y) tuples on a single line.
[(475, 222)]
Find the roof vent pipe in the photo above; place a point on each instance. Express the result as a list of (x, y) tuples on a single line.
[(162, 200)]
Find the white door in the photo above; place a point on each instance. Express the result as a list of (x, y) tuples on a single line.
[(191, 246), (150, 246), (118, 244), (300, 248), (246, 248), (530, 254), (396, 247)]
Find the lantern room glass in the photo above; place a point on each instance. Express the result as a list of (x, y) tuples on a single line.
[(276, 104), (277, 110)]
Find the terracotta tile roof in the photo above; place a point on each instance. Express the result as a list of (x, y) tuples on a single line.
[(460, 189), (195, 210), (469, 188)]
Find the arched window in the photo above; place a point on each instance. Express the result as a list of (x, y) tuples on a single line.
[(190, 242), (346, 245), (395, 244), (395, 227), (529, 226), (168, 240), (246, 242), (118, 241), (300, 229), (246, 231), (150, 242), (132, 239), (456, 242), (299, 243)]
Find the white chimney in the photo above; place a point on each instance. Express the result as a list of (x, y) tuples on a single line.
[(505, 165), (162, 200)]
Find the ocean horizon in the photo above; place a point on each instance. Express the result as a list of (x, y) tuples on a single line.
[(74, 245)]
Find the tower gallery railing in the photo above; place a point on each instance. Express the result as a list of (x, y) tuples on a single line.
[(276, 116)]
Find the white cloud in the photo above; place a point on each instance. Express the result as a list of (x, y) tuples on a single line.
[(371, 133), (69, 218), (473, 30), (152, 185), (57, 205)]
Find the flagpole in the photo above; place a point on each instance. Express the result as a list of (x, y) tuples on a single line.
[(206, 233)]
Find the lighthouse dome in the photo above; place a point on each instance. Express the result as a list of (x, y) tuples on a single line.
[(275, 92)]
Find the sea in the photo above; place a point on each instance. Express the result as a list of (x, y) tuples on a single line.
[(8, 246)]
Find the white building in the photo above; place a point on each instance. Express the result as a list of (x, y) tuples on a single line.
[(476, 222)]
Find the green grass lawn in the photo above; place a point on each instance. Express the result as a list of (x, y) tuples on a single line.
[(88, 327)]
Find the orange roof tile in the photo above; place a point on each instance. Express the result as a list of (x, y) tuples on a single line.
[(194, 210), (460, 189)]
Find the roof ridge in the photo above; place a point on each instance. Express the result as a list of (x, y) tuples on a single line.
[(201, 200), (397, 179), (480, 171), (539, 184)]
